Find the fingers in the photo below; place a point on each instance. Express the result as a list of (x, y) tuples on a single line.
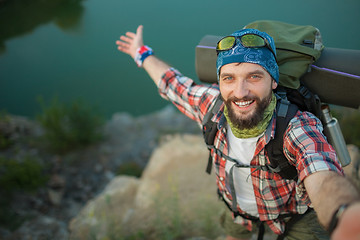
[(130, 34), (124, 44), (130, 42), (129, 37), (126, 39)]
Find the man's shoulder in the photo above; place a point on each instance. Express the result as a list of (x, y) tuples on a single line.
[(303, 119)]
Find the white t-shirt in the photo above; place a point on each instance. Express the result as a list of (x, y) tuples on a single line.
[(242, 149)]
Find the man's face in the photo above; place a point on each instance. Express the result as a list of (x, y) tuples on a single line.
[(246, 89)]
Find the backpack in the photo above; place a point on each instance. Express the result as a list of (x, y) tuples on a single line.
[(297, 47)]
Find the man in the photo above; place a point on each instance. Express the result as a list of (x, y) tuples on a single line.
[(247, 74)]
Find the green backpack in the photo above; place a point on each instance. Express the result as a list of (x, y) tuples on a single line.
[(297, 47)]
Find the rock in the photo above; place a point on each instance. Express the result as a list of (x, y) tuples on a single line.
[(174, 186), (174, 196), (177, 163), (56, 189), (55, 196), (15, 127), (4, 233), (81, 175), (102, 213), (136, 138), (41, 227)]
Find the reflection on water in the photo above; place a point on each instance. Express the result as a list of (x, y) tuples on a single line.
[(20, 17)]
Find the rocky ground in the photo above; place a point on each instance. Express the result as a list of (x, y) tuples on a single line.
[(78, 179), (79, 176)]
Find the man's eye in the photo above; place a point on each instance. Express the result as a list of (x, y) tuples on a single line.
[(227, 78)]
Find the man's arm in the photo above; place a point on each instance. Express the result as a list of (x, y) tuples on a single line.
[(130, 42), (327, 191)]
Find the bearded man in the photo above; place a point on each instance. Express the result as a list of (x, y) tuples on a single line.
[(320, 198)]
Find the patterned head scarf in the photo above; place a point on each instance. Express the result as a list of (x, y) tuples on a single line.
[(262, 56)]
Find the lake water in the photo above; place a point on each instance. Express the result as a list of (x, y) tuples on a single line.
[(66, 48)]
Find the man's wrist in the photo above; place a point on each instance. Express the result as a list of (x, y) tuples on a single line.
[(141, 54), (336, 216)]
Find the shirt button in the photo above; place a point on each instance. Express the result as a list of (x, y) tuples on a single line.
[(221, 179)]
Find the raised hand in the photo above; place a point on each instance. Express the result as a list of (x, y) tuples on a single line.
[(130, 42)]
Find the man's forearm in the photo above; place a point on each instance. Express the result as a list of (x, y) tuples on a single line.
[(155, 68), (327, 191)]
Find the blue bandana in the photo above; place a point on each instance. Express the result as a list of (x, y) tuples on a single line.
[(262, 56)]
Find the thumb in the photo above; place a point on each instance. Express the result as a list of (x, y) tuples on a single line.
[(139, 30), (139, 36)]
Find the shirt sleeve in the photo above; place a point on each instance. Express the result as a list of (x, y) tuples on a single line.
[(191, 99), (307, 148)]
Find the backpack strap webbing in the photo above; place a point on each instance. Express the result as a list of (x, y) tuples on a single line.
[(210, 129), (285, 111)]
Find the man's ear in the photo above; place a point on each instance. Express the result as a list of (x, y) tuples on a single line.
[(274, 84)]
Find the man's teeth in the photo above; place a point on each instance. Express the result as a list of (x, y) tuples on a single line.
[(244, 103)]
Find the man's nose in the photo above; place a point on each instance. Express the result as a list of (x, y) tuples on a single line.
[(241, 89)]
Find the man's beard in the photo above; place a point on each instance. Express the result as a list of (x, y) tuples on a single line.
[(254, 118)]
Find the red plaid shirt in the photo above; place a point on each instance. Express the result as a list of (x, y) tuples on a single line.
[(304, 146)]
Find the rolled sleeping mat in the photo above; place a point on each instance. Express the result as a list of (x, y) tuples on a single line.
[(334, 77)]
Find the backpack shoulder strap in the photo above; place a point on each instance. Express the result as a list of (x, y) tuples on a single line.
[(210, 129), (285, 111)]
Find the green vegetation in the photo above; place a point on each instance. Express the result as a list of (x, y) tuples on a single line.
[(174, 221), (8, 218), (169, 222), (130, 169), (68, 127), (350, 126), (27, 175), (5, 142)]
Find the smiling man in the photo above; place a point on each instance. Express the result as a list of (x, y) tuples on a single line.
[(254, 196), (246, 89)]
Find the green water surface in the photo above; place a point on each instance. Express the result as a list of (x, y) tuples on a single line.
[(66, 48)]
